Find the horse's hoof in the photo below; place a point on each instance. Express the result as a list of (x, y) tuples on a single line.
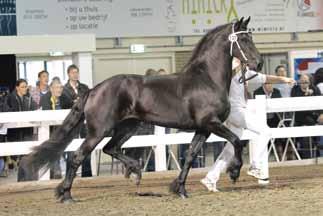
[(183, 195), (234, 175), (136, 177), (68, 201)]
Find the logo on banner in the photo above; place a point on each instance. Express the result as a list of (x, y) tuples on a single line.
[(203, 12), (305, 8)]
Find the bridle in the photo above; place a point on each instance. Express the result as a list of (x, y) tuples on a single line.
[(233, 38)]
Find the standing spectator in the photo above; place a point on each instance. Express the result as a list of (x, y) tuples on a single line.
[(41, 87), (72, 91), (54, 100), (305, 88), (18, 101), (284, 89), (3, 131)]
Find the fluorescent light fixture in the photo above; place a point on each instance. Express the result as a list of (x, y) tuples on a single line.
[(56, 53), (137, 48)]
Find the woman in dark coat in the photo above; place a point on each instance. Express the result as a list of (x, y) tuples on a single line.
[(19, 100)]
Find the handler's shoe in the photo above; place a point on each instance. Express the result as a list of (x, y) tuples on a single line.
[(263, 181), (255, 172), (209, 185)]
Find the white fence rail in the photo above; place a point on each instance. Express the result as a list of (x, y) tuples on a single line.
[(44, 119)]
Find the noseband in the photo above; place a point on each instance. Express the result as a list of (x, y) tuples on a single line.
[(233, 38)]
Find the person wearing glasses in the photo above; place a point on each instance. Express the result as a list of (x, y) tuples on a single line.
[(305, 88)]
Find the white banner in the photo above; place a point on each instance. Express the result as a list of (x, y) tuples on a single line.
[(128, 18)]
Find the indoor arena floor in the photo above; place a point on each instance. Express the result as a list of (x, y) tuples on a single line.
[(292, 191)]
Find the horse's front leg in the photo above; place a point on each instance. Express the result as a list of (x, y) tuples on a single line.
[(219, 129), (178, 185)]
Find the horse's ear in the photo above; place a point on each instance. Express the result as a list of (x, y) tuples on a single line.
[(238, 24), (245, 23)]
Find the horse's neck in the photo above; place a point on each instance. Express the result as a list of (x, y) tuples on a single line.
[(220, 70)]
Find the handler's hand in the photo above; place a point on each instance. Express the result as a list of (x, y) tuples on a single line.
[(289, 81)]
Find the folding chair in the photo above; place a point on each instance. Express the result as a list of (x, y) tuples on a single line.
[(286, 119)]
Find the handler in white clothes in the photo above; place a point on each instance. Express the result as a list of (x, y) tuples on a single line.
[(240, 119)]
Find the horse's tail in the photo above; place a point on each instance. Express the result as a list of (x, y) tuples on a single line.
[(51, 150)]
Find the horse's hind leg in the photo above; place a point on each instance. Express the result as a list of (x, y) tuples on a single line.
[(178, 185), (63, 190), (219, 129), (122, 133)]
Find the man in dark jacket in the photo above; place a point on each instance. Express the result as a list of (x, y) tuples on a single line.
[(305, 88), (73, 90), (270, 92)]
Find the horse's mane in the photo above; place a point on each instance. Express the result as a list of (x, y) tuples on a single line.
[(202, 45)]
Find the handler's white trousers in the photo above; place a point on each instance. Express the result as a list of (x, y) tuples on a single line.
[(240, 118)]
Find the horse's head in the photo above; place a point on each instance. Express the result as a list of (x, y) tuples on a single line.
[(242, 46)]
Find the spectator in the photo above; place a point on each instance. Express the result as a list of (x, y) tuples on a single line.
[(150, 72), (284, 89), (54, 100), (318, 79), (19, 101), (318, 82), (41, 87), (305, 88), (270, 92), (3, 131), (72, 91), (161, 71)]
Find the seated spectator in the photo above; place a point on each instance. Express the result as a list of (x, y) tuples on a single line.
[(318, 82), (272, 118), (270, 92), (54, 100), (284, 89), (41, 87), (305, 88), (161, 71), (318, 79)]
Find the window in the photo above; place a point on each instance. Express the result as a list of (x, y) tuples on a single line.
[(29, 70)]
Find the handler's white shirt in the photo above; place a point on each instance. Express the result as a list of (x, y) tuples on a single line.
[(236, 93)]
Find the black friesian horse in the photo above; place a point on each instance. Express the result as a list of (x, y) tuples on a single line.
[(196, 99)]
